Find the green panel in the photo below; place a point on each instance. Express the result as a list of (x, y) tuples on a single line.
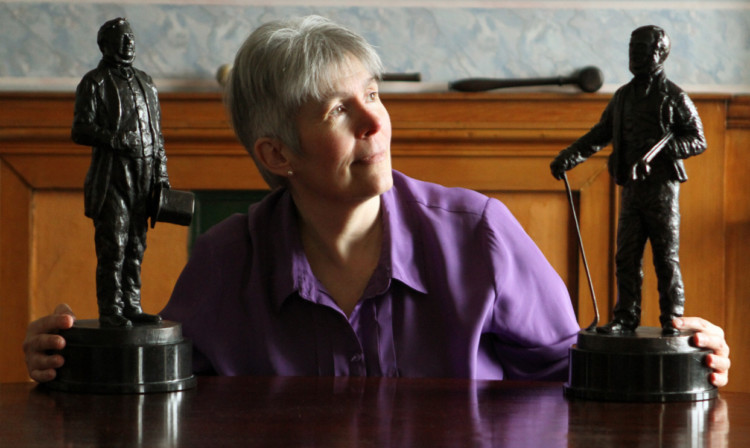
[(211, 207)]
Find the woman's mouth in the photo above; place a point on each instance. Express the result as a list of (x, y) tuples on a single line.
[(373, 158)]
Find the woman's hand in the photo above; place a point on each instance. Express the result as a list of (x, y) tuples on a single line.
[(41, 339), (711, 337)]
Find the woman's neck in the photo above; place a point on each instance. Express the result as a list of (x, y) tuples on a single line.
[(341, 233), (343, 247)]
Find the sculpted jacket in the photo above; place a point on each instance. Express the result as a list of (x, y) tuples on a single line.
[(96, 122), (677, 114)]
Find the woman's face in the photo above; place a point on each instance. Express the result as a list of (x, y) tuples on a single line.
[(345, 152)]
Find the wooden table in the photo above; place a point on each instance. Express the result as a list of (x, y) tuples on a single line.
[(357, 412)]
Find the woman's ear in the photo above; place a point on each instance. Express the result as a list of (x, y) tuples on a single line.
[(272, 154)]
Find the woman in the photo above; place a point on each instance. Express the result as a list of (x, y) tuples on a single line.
[(348, 267)]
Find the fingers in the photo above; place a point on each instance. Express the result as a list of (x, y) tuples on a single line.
[(61, 319), (43, 343), (41, 340), (43, 367), (720, 365), (712, 341), (698, 324), (711, 337), (719, 379), (39, 362), (63, 308), (708, 335), (43, 376)]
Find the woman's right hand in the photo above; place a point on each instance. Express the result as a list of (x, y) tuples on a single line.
[(41, 338)]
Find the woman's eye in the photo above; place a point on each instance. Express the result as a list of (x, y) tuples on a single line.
[(338, 110)]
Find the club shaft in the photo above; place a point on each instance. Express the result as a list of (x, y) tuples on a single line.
[(583, 253)]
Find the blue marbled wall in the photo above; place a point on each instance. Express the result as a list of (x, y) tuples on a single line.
[(50, 45)]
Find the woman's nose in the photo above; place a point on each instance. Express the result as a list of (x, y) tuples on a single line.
[(370, 122)]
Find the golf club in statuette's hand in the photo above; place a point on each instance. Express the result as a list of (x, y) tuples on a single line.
[(595, 322)]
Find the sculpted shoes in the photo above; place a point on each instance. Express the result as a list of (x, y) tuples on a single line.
[(115, 320), (615, 327), (669, 330), (139, 317)]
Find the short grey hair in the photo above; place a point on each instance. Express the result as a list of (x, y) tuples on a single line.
[(281, 66)]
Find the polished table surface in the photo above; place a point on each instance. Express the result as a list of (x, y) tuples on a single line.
[(362, 412)]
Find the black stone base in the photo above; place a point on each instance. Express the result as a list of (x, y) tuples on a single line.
[(642, 367), (141, 359)]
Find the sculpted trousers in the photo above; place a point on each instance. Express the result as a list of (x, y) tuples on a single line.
[(120, 236), (649, 210)]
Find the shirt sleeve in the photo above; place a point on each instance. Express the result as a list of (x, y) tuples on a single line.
[(532, 323)]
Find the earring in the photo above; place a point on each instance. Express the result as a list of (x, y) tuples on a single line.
[(290, 173)]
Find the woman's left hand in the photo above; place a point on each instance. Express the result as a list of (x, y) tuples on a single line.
[(711, 337)]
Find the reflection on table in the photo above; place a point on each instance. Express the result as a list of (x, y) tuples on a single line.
[(351, 412)]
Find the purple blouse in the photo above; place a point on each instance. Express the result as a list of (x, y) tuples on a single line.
[(460, 291)]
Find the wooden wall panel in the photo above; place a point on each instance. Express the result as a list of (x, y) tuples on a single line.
[(500, 144), (737, 218), (15, 241)]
